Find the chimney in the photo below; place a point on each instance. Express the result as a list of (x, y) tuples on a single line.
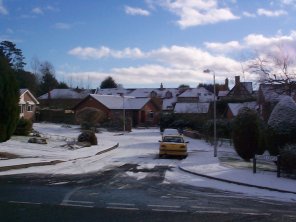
[(237, 80), (161, 86), (226, 84)]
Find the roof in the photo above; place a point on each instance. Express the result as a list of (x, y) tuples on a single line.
[(223, 93), (117, 102), (66, 94), (272, 92), (203, 94), (161, 93), (113, 91), (22, 92), (248, 86), (235, 107), (192, 107)]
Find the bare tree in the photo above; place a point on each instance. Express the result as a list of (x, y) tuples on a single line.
[(276, 69)]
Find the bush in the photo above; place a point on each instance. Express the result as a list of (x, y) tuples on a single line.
[(246, 134), (282, 125), (288, 158), (89, 117), (88, 136), (223, 128), (24, 127)]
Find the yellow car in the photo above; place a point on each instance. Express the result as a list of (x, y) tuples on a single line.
[(173, 145)]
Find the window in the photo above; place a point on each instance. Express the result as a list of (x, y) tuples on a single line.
[(29, 108), (151, 115), (21, 108)]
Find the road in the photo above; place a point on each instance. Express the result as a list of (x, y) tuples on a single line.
[(114, 194)]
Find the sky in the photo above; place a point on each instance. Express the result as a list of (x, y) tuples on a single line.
[(142, 43)]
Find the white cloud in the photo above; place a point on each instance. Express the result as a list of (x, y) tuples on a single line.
[(61, 25), (136, 11), (288, 2), (269, 13), (37, 11), (3, 10), (224, 47), (248, 14), (197, 12), (104, 52)]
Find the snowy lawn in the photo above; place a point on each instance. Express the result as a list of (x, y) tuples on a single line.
[(137, 147)]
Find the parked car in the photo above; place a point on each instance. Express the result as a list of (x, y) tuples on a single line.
[(173, 145), (170, 131)]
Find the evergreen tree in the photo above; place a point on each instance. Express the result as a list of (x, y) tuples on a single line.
[(9, 98), (109, 82), (13, 54), (48, 80)]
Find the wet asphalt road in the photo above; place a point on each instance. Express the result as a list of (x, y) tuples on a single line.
[(115, 195)]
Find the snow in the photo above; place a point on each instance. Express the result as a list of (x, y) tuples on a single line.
[(139, 147), (192, 108), (283, 116), (118, 102), (235, 107), (200, 93)]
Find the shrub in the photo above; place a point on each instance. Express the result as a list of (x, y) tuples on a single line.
[(246, 133), (282, 125), (88, 136), (24, 127), (89, 117), (288, 158), (223, 128)]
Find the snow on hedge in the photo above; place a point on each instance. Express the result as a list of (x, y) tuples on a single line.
[(283, 116)]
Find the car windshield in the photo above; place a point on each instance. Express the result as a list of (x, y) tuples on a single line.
[(173, 139)]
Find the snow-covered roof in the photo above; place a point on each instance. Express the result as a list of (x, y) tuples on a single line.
[(22, 92), (203, 94), (113, 91), (223, 93), (117, 102), (192, 107), (235, 107), (167, 104), (66, 94), (273, 93), (161, 93)]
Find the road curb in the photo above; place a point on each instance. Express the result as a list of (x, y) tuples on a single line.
[(235, 182), (53, 162)]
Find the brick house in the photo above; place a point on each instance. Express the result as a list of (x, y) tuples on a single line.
[(141, 111), (27, 104)]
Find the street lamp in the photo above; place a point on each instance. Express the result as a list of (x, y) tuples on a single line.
[(215, 127), (123, 110)]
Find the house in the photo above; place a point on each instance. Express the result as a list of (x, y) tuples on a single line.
[(241, 91), (141, 111), (27, 104), (234, 108), (196, 95), (63, 98), (269, 95)]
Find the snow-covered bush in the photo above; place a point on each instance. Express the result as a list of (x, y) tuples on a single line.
[(282, 125), (88, 136), (245, 133), (288, 158)]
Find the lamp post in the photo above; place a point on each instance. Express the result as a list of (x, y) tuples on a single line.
[(215, 127), (123, 110)]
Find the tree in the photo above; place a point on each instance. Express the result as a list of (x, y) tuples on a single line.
[(27, 80), (9, 98), (13, 54), (276, 69), (109, 82), (246, 134), (89, 117), (48, 80)]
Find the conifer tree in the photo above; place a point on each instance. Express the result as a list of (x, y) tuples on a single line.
[(9, 98)]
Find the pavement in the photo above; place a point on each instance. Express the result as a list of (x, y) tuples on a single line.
[(228, 167)]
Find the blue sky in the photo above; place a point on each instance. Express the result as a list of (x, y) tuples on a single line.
[(141, 43)]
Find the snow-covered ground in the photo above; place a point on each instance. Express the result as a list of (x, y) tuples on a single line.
[(137, 147)]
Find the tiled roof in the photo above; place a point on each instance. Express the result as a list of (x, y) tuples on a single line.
[(66, 94), (235, 107)]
